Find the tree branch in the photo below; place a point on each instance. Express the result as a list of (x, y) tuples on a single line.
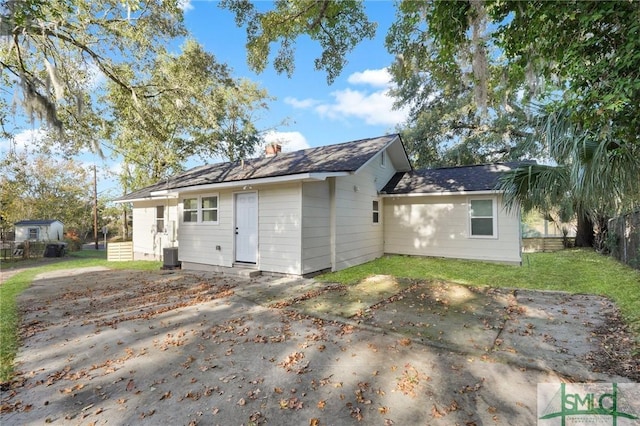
[(460, 125), (95, 56), (318, 21)]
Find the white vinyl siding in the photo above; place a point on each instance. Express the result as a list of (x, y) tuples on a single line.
[(357, 238), (439, 226), (279, 228), (46, 232), (200, 240), (316, 227), (147, 241), (279, 231)]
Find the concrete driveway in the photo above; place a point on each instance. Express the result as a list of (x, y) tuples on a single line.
[(128, 347)]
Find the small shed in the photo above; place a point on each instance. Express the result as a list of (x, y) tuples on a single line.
[(39, 230)]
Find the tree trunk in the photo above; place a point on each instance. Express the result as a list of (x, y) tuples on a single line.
[(584, 231)]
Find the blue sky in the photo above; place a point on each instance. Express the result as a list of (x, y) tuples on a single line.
[(355, 106)]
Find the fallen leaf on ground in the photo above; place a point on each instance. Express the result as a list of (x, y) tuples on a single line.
[(435, 413)]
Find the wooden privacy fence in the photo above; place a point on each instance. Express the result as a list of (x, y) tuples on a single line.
[(120, 252), (532, 245), (623, 240)]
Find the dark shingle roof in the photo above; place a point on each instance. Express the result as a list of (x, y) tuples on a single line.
[(482, 177), (36, 222), (344, 157)]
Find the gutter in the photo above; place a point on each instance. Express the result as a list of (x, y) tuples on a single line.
[(439, 194), (175, 192)]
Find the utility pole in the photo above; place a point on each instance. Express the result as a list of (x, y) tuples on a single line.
[(95, 206)]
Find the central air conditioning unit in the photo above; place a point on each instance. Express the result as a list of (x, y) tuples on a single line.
[(170, 258)]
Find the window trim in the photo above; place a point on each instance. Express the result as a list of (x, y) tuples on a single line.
[(161, 219), (37, 233), (375, 211), (188, 210), (494, 217), (383, 159), (199, 209)]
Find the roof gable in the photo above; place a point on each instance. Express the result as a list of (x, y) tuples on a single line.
[(346, 157), (483, 177)]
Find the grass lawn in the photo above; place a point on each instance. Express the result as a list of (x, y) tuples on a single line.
[(9, 291), (574, 271)]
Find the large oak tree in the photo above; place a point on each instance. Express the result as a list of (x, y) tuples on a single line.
[(580, 60), (53, 50)]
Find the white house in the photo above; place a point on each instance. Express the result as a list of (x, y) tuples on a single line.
[(451, 212), (324, 208), (39, 230)]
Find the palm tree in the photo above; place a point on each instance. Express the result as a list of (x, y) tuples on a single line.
[(594, 176)]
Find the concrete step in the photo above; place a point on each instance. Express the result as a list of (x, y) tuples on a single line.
[(241, 271)]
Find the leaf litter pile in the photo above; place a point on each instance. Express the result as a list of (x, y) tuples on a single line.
[(150, 348)]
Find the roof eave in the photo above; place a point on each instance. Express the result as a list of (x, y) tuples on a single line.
[(259, 181), (149, 198), (440, 194)]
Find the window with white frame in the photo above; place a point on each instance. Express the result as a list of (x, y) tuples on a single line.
[(383, 159), (482, 216), (159, 219), (203, 209), (376, 211), (34, 233), (190, 210), (209, 206)]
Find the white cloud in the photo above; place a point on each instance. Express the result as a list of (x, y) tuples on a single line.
[(300, 103), (375, 78), (185, 5), (24, 140), (290, 141), (373, 106)]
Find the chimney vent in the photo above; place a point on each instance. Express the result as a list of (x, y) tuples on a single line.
[(273, 149)]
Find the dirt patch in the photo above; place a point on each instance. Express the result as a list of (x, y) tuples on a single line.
[(618, 354), (173, 347)]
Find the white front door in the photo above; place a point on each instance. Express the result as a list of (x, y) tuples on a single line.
[(246, 227)]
